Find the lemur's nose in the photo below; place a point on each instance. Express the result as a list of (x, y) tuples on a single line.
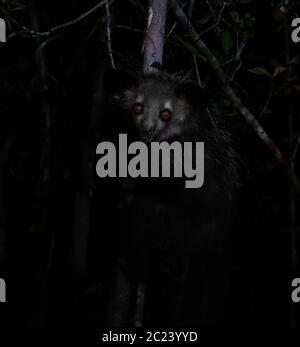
[(146, 130)]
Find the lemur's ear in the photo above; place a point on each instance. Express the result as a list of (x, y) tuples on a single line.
[(115, 81), (196, 96)]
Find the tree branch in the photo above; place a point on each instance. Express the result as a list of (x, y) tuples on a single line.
[(249, 117), (108, 32), (154, 39), (26, 31)]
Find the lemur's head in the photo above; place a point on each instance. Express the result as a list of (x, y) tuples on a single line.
[(161, 107)]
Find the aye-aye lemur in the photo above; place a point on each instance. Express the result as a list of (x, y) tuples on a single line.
[(171, 236)]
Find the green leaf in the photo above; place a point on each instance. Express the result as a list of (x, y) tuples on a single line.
[(260, 70), (248, 21), (189, 47), (297, 88), (279, 70), (227, 41), (19, 8), (282, 9), (13, 5), (203, 20), (295, 60), (266, 111), (235, 16)]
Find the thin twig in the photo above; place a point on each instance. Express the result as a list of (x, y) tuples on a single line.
[(140, 305), (218, 19), (295, 151), (268, 101), (238, 56), (197, 71), (44, 44), (174, 25), (60, 27), (80, 18), (4, 157), (211, 10), (138, 5), (46, 108), (129, 28), (112, 62), (191, 8), (81, 49)]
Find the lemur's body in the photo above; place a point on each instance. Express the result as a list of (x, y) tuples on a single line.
[(168, 232)]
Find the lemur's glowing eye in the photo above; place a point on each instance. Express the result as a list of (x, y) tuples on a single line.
[(165, 115), (137, 109)]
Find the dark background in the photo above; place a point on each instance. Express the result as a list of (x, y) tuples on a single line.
[(56, 231)]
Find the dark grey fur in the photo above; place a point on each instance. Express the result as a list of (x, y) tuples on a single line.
[(173, 237)]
